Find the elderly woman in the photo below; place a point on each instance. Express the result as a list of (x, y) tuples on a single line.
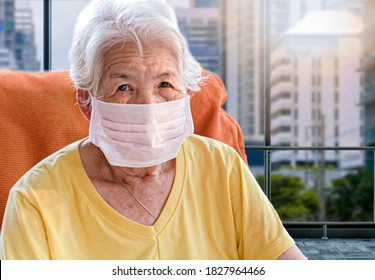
[(142, 185)]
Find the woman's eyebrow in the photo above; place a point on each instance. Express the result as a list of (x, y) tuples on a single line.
[(167, 74), (119, 76)]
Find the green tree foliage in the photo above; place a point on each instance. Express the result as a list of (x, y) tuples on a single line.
[(291, 199), (351, 198)]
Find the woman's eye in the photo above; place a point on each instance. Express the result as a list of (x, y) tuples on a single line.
[(165, 84), (123, 87)]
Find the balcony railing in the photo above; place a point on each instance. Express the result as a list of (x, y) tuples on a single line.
[(313, 188)]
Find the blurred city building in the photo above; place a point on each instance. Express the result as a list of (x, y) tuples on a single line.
[(368, 69), (7, 24), (202, 29), (24, 45), (315, 90), (17, 46), (244, 54), (205, 3), (242, 58), (286, 13), (7, 60), (354, 6)]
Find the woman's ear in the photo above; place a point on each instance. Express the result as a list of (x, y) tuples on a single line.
[(83, 97)]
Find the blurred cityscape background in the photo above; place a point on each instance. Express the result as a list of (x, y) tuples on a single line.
[(303, 69)]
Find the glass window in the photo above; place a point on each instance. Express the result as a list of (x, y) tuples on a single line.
[(64, 14), (316, 48), (310, 186), (332, 86), (21, 31)]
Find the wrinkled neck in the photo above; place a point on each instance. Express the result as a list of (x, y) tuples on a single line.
[(152, 175)]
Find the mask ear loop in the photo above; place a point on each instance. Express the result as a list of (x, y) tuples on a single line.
[(89, 99), (91, 96)]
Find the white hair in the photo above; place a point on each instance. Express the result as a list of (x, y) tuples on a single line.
[(104, 23)]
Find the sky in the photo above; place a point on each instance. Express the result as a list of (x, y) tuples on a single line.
[(64, 14)]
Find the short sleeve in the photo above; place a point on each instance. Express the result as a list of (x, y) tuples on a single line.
[(23, 236), (260, 232)]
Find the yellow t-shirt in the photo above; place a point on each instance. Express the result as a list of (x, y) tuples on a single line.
[(215, 210)]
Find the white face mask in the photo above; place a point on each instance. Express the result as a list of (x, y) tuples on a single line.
[(140, 135)]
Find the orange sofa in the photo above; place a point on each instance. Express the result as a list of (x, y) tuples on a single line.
[(39, 116)]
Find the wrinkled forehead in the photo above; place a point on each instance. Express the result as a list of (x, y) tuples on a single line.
[(130, 56), (145, 49), (126, 62)]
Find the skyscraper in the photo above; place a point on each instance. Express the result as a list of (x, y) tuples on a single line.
[(354, 6), (24, 45), (202, 29), (18, 50), (286, 13), (368, 70), (7, 30), (7, 24), (205, 3), (7, 60), (315, 83), (242, 54)]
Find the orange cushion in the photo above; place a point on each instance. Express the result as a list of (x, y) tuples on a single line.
[(39, 116), (211, 120)]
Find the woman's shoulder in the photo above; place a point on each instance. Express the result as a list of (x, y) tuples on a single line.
[(201, 146), (207, 142), (46, 173)]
